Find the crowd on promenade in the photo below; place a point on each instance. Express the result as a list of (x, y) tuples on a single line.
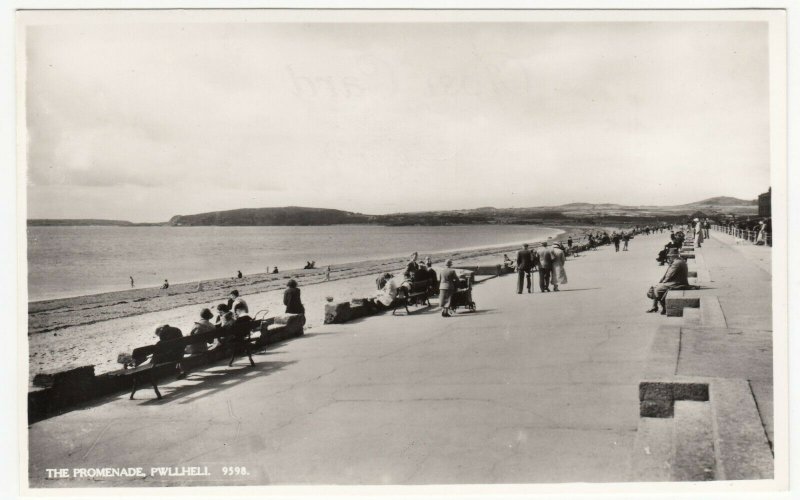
[(231, 317), (420, 278), (676, 276)]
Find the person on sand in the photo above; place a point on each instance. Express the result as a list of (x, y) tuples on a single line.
[(428, 261), (165, 285), (677, 275), (239, 274), (202, 326), (328, 273), (131, 277), (448, 283), (275, 270), (291, 299), (615, 238), (524, 266), (626, 237), (569, 243)]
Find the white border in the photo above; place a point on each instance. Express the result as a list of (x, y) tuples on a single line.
[(780, 176)]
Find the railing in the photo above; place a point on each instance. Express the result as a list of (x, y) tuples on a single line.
[(744, 234)]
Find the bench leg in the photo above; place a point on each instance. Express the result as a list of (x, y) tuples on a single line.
[(135, 384), (155, 387), (249, 354)]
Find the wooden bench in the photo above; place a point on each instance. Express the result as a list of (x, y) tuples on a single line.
[(418, 293), (171, 353)]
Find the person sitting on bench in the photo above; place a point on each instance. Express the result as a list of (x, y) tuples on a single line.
[(224, 316), (202, 326), (384, 278), (239, 333), (390, 290), (677, 275), (166, 333), (662, 254)]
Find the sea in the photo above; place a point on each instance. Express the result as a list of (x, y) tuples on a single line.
[(81, 260)]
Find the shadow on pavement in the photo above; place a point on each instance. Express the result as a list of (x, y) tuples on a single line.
[(211, 381)]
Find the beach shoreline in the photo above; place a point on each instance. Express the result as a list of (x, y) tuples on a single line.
[(93, 329)]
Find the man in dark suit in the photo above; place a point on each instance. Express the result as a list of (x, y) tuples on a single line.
[(524, 266)]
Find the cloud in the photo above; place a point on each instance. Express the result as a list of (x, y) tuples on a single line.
[(376, 117)]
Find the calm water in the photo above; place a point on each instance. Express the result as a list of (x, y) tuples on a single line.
[(71, 261)]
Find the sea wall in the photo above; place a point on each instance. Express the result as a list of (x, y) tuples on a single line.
[(59, 390)]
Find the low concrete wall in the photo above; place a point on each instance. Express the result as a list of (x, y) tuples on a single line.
[(60, 390)]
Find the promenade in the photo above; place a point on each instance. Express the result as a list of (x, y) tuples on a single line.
[(530, 388)]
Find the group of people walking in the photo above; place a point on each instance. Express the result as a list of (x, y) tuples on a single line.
[(548, 260)]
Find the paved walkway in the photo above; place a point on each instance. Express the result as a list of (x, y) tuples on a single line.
[(531, 388), (741, 281)]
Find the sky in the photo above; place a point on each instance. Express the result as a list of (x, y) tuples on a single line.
[(144, 121)]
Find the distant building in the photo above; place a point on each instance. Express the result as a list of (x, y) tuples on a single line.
[(765, 204)]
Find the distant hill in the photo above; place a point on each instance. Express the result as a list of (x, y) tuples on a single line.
[(583, 213), (78, 222), (723, 201), (274, 216)]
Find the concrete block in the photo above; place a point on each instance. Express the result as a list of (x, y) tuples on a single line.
[(694, 458), (662, 359), (337, 312), (676, 300), (742, 448), (495, 270), (691, 317), (690, 391), (71, 375), (655, 390), (656, 408), (711, 313), (653, 450)]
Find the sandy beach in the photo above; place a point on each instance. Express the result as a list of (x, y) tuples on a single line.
[(93, 329)]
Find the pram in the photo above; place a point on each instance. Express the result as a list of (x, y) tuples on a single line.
[(462, 297)]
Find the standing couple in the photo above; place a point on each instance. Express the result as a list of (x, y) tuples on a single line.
[(549, 261)]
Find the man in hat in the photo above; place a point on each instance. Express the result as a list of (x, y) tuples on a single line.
[(524, 266), (545, 259), (677, 275), (558, 275)]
